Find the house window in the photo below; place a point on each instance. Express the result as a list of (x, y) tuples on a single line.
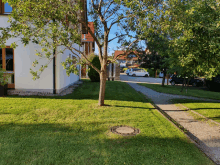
[(7, 58), (7, 63), (5, 8), (8, 8), (131, 56)]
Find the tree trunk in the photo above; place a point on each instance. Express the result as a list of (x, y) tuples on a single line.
[(102, 87), (187, 84), (156, 73), (103, 61), (183, 84)]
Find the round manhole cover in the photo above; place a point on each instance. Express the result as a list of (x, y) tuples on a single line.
[(125, 130)]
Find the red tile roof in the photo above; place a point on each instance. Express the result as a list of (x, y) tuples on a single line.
[(122, 55), (134, 66)]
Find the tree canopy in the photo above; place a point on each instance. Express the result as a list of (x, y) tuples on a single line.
[(192, 32), (193, 28), (54, 25)]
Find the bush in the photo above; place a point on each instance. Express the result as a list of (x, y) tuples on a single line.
[(92, 73), (3, 76), (151, 72)]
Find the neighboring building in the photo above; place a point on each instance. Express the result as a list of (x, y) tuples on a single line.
[(19, 61), (128, 59), (89, 47)]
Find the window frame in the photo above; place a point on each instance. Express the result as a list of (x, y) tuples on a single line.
[(4, 64), (2, 9)]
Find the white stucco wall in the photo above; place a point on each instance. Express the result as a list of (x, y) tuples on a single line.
[(62, 79), (24, 56), (23, 59)]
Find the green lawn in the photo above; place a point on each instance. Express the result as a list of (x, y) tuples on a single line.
[(74, 130), (207, 109), (196, 92)]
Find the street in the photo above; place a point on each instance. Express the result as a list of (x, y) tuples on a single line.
[(151, 80)]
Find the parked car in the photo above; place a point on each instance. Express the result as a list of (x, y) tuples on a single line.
[(161, 75), (214, 83), (138, 72), (177, 79), (127, 71)]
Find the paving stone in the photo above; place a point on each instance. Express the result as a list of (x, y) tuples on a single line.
[(69, 90), (202, 131)]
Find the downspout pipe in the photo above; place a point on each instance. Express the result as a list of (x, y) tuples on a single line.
[(54, 72), (54, 67)]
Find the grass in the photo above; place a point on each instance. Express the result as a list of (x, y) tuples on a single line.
[(195, 92), (74, 130), (208, 109)]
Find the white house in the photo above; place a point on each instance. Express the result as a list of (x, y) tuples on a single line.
[(19, 61)]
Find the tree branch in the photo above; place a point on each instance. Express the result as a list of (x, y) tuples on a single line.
[(82, 54), (108, 7), (117, 37), (100, 4), (116, 22)]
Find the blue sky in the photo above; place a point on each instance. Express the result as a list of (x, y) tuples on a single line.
[(113, 44)]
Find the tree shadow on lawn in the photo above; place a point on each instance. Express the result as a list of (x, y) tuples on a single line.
[(216, 118), (192, 101), (91, 143), (134, 107)]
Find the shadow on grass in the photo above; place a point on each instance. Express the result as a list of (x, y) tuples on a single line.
[(134, 107), (175, 90), (90, 143), (215, 118), (192, 101)]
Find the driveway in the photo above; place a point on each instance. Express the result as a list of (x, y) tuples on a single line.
[(151, 80)]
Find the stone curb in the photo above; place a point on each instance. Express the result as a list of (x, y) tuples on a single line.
[(66, 91), (198, 143), (202, 146), (206, 118)]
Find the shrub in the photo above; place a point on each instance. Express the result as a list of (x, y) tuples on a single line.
[(151, 72), (3, 76), (91, 56), (92, 73)]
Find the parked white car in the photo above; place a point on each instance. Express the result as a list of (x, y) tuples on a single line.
[(138, 72), (127, 71), (161, 75)]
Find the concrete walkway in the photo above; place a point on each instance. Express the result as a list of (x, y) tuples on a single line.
[(207, 137)]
